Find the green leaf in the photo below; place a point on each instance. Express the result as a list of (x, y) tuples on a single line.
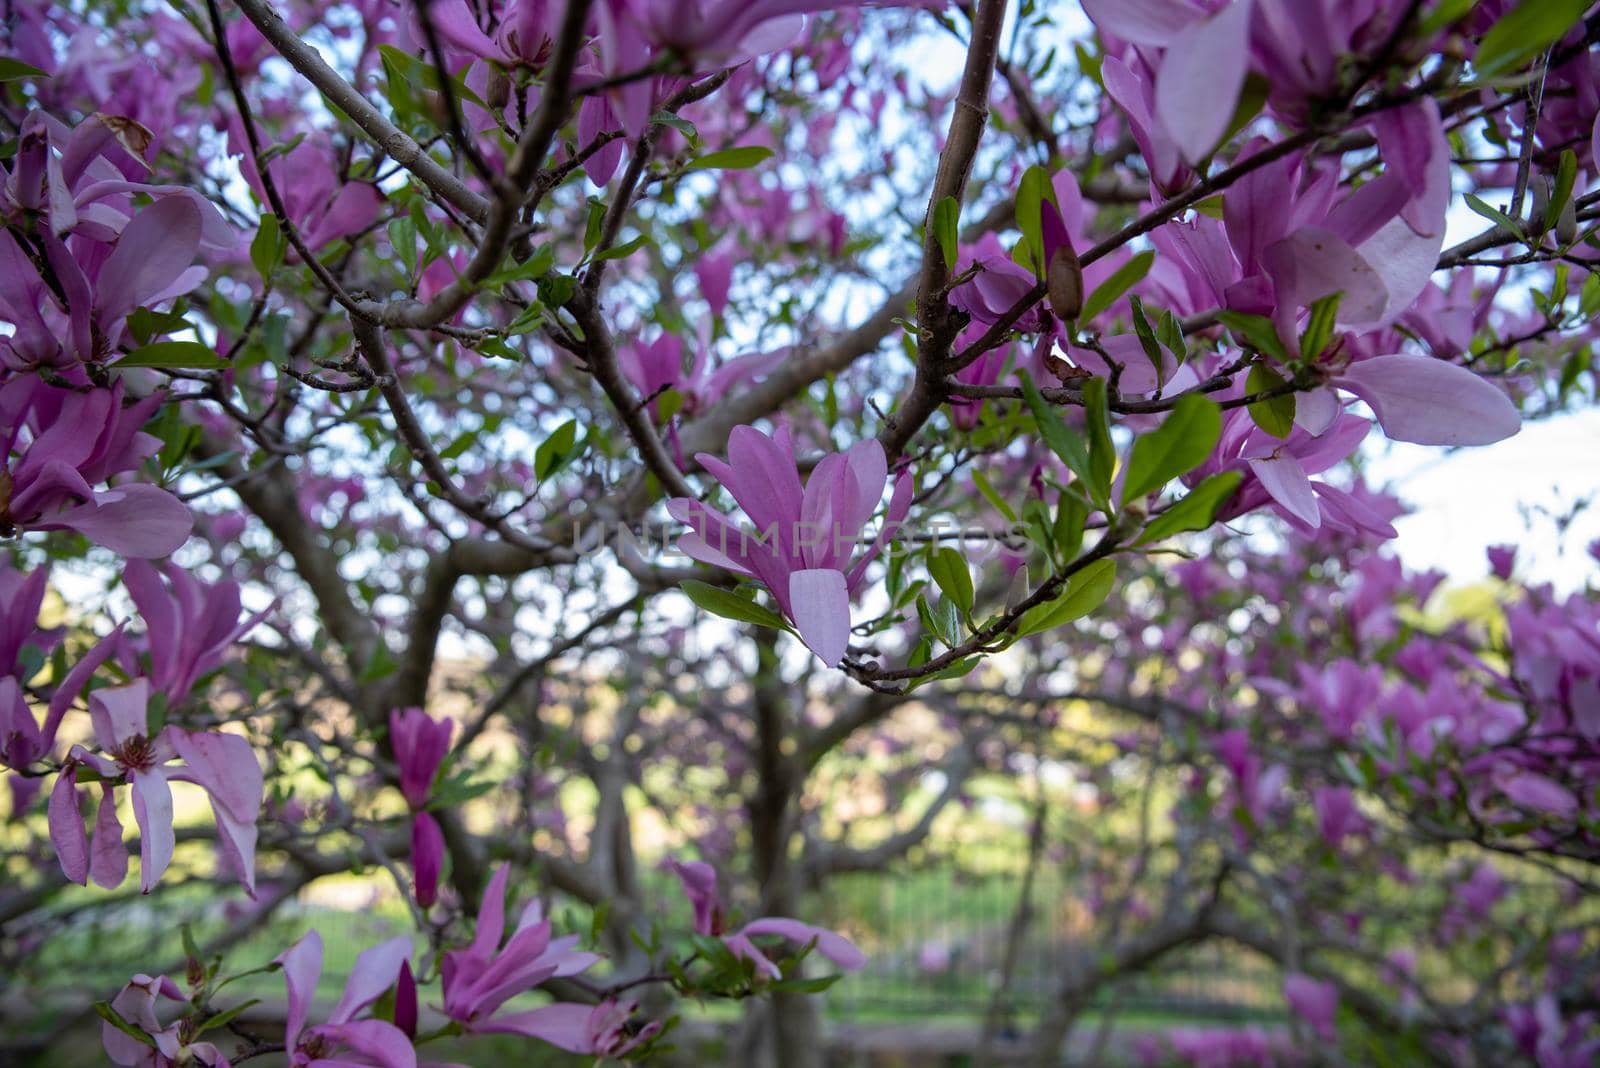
[(1320, 326), (175, 355), (13, 69), (617, 252), (222, 1019), (943, 623), (952, 671), (1524, 32), (1256, 332), (1086, 591), (268, 247), (1072, 513), (1196, 511), (1102, 454), (1010, 513), (555, 451), (104, 1010), (949, 570), (1032, 192), (403, 239), (1170, 332), (1147, 339), (731, 159), (730, 605), (946, 230), (146, 324), (1276, 414), (1566, 178), (1495, 215), (1444, 14), (593, 225), (1180, 444), (1064, 441), (1126, 277)]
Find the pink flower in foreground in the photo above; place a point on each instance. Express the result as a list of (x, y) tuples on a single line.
[(57, 445), (136, 1004), (344, 1040), (479, 979), (188, 628), (223, 765), (699, 881), (803, 545)]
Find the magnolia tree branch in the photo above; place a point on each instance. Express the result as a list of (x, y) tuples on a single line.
[(405, 151), (937, 324)]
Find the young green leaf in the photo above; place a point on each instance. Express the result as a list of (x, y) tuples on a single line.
[(949, 570), (174, 355), (1196, 511), (731, 159), (1566, 178), (729, 605), (1102, 454), (13, 69), (1319, 329), (1180, 444), (1062, 439), (946, 230), (1495, 215), (1275, 415), (1524, 32), (1126, 277), (1032, 192), (1086, 591), (1147, 339), (268, 247), (1255, 331), (555, 451)]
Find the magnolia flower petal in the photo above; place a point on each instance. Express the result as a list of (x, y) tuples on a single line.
[(140, 521), (1146, 22), (835, 947), (67, 833), (152, 808), (563, 1025), (108, 859), (1201, 75), (820, 604), (1431, 402), (302, 967), (1283, 479), (375, 971)]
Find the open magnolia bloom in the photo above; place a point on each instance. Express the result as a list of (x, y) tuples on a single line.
[(801, 541), (699, 881), (223, 765)]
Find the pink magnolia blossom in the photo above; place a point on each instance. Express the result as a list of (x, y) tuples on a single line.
[(136, 1004), (222, 764), (58, 444), (420, 743), (189, 625), (105, 256), (803, 547), (699, 881), (485, 975), (23, 739), (601, 1030), (344, 1039)]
